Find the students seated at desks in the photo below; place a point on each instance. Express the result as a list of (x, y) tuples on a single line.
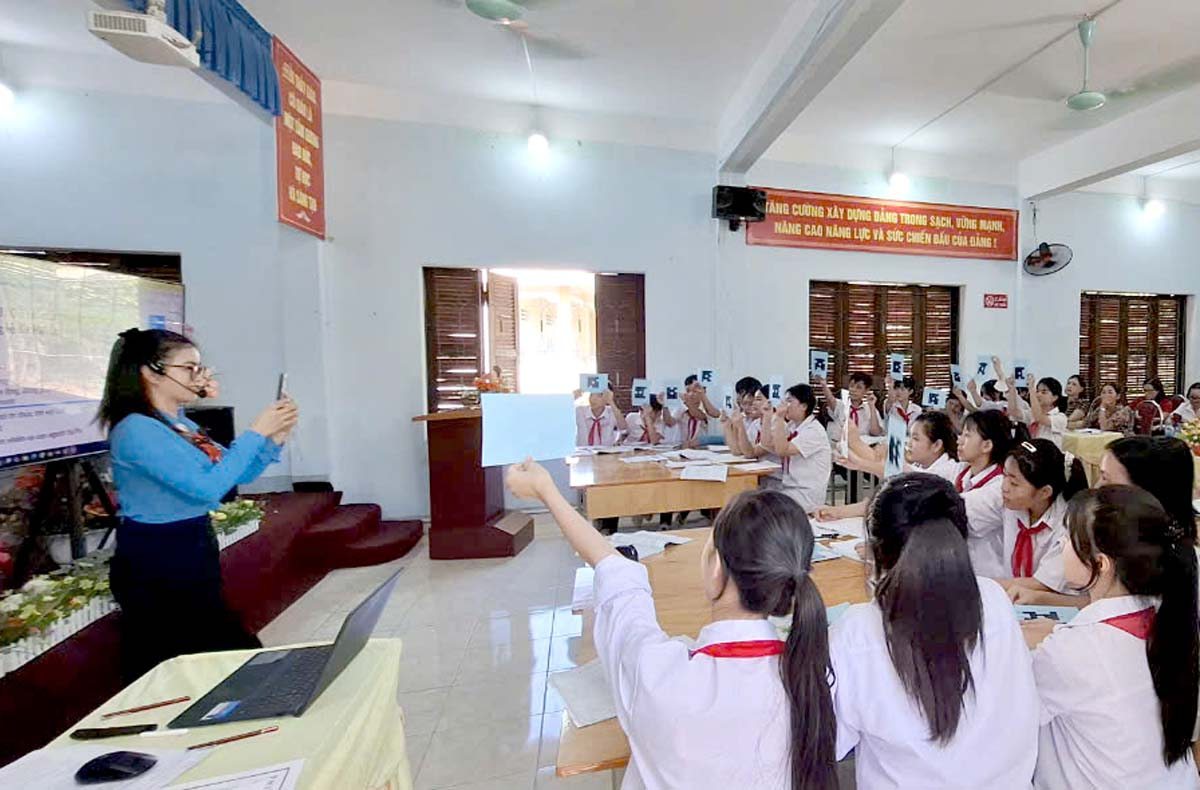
[(932, 680), (1046, 419), (599, 423), (794, 433), (1190, 409), (983, 447), (861, 412), (692, 417), (651, 424), (1118, 684), (1077, 403), (743, 709), (1036, 491), (1111, 413), (899, 401), (987, 398)]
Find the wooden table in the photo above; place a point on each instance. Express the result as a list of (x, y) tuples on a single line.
[(612, 488), (682, 609)]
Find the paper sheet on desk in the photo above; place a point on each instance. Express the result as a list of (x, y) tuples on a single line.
[(759, 466), (581, 594), (54, 768), (821, 553), (586, 694), (516, 427), (847, 548), (281, 776), (851, 527), (643, 459), (686, 464), (647, 543), (711, 473)]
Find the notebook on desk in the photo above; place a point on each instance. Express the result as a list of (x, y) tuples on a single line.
[(277, 683)]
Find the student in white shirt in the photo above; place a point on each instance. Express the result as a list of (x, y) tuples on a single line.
[(932, 447), (651, 424), (933, 686), (1036, 491), (1190, 409), (982, 449), (743, 709), (692, 418), (900, 402), (1119, 683), (1161, 465), (861, 412), (1044, 412), (599, 423), (743, 425), (794, 433)]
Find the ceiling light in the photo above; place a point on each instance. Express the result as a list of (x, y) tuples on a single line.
[(7, 98), (1153, 208), (539, 147), (898, 184)]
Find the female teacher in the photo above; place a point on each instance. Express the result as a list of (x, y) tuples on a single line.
[(166, 572)]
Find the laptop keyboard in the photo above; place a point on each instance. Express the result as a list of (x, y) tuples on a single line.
[(290, 688)]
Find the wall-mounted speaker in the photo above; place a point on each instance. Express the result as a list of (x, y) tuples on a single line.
[(739, 204)]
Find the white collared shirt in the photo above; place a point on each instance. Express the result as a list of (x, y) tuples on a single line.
[(605, 427), (1100, 719), (689, 427), (637, 429), (943, 466), (985, 521), (692, 721), (1055, 431), (805, 476), (1185, 412), (1047, 546), (861, 414), (753, 430), (995, 744), (912, 411)]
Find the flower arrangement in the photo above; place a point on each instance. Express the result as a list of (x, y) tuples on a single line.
[(45, 601), (1190, 433), (232, 516), (489, 382)]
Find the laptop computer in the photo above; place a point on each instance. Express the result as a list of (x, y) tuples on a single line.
[(277, 683)]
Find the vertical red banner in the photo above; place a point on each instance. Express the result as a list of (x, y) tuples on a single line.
[(300, 165)]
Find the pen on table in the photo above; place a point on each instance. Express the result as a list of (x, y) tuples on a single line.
[(233, 738), (141, 708)]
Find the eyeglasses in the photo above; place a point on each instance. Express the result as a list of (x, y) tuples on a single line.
[(196, 372)]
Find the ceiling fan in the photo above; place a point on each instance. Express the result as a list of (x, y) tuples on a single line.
[(508, 16), (1085, 99)]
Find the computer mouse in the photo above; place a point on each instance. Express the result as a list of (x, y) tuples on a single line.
[(114, 766)]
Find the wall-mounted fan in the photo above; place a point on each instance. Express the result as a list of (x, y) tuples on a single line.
[(1047, 259)]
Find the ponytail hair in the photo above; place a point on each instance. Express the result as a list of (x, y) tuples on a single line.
[(765, 543), (994, 427), (939, 428), (927, 592), (124, 391), (1152, 556), (1056, 389), (1163, 466), (1041, 463)]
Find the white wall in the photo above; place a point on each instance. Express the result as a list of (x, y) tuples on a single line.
[(403, 196), (108, 171), (770, 333), (1116, 249)]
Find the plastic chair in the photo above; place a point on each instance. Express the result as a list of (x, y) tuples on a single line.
[(1148, 416)]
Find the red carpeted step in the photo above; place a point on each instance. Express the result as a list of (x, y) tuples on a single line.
[(346, 524), (391, 541)]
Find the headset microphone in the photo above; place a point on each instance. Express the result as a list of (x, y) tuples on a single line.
[(158, 368)]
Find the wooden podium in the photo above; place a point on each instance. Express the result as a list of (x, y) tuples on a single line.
[(468, 519)]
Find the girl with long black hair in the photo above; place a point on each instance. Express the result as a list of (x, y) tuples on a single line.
[(166, 572), (1119, 683), (982, 448), (933, 681), (742, 709)]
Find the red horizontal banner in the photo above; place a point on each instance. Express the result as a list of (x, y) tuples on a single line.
[(841, 222)]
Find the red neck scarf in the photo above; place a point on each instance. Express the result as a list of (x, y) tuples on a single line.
[(757, 648), (594, 433), (959, 484), (1135, 623), (200, 440), (786, 461), (1022, 556), (904, 415)]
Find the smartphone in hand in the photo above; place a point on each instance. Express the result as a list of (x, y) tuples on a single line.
[(282, 392)]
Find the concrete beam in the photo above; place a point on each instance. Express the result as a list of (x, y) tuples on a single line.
[(812, 43), (1160, 131)]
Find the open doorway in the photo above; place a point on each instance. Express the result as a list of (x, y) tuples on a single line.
[(539, 328)]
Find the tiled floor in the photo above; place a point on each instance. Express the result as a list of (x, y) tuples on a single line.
[(480, 639)]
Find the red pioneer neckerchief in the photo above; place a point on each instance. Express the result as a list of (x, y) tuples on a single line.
[(989, 477), (1022, 556), (787, 459), (201, 441), (756, 648), (1135, 623)]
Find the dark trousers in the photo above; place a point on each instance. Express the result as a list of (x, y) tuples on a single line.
[(167, 580)]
